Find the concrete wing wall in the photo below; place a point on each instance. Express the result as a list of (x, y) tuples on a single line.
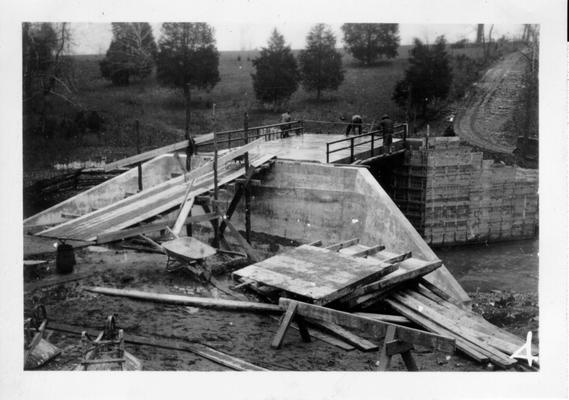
[(311, 201)]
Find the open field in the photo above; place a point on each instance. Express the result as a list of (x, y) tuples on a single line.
[(161, 110)]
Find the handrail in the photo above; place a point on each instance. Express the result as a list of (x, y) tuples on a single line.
[(400, 131)]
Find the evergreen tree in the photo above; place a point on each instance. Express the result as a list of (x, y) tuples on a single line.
[(320, 63), (276, 77), (187, 55), (428, 78), (131, 53), (368, 42)]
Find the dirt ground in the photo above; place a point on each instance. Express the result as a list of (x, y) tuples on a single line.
[(244, 335), (483, 121)]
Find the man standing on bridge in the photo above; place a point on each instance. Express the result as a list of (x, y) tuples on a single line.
[(285, 129), (356, 125), (387, 131)]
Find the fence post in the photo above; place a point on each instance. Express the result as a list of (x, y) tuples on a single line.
[(138, 165), (246, 127), (352, 150), (327, 153)]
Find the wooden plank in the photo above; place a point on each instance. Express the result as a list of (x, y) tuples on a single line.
[(317, 275), (428, 310), (468, 325), (324, 337), (371, 293), (156, 152), (152, 227), (341, 245), (384, 356), (399, 258), (141, 206), (283, 327), (396, 319), (185, 209), (55, 280), (317, 243), (374, 327), (246, 246), (178, 345), (349, 337), (235, 201), (369, 252), (232, 305), (461, 344)]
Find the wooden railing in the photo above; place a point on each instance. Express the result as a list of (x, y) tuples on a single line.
[(356, 145), (239, 137)]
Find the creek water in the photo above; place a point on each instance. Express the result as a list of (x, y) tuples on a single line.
[(506, 266)]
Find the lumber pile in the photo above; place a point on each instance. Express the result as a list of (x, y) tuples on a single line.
[(414, 300)]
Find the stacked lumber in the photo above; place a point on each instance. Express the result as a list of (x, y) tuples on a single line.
[(475, 337)]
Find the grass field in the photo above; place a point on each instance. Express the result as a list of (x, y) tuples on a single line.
[(161, 111)]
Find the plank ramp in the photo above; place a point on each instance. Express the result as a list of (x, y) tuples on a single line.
[(148, 203), (315, 274)]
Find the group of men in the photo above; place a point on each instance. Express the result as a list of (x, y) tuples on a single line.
[(385, 125)]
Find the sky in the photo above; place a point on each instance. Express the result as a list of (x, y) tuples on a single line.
[(94, 38)]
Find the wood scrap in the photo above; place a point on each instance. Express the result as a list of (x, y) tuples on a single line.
[(374, 327), (232, 305), (345, 335), (196, 348), (341, 245), (396, 319)]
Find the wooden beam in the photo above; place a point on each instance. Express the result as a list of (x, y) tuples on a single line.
[(246, 246), (232, 305), (55, 280), (283, 327), (235, 200), (374, 327), (185, 209), (368, 252), (317, 243), (396, 319), (463, 345), (399, 258), (347, 336), (151, 227), (371, 293), (341, 245), (178, 345)]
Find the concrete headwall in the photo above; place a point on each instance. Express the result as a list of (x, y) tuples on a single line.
[(309, 201)]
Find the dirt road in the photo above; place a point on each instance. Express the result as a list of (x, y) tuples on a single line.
[(484, 117)]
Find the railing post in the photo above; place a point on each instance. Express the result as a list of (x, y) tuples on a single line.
[(138, 165), (229, 139), (372, 139), (327, 153), (246, 127), (352, 150)]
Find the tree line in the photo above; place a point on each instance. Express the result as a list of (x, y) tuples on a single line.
[(186, 56)]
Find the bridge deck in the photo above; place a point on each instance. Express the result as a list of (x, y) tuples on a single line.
[(312, 147)]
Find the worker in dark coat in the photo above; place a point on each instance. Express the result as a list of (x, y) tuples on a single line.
[(285, 129), (387, 131), (356, 125)]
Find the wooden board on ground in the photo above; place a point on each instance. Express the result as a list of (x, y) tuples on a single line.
[(315, 274)]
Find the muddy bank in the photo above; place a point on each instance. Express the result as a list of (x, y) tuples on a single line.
[(244, 335)]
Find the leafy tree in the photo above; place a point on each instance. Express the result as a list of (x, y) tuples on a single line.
[(368, 42), (320, 63), (187, 54), (131, 53), (277, 76), (47, 73), (428, 78)]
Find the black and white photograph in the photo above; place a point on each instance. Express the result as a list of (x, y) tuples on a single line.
[(312, 201)]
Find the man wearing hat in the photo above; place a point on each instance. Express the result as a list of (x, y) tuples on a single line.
[(387, 130)]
